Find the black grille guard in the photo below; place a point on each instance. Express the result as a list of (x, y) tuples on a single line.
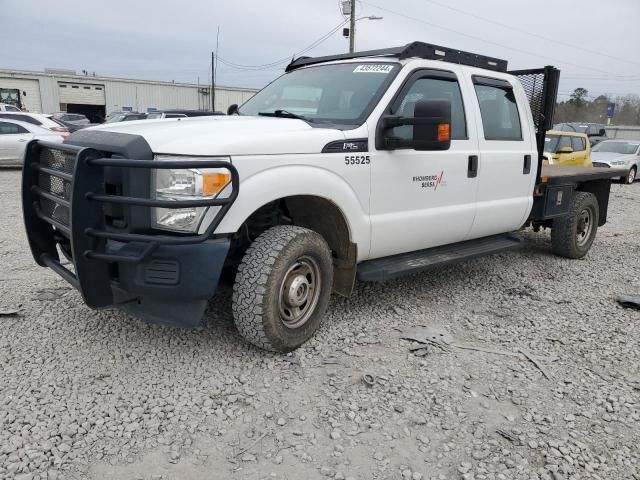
[(63, 199)]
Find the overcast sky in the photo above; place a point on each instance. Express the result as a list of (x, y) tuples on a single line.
[(172, 40)]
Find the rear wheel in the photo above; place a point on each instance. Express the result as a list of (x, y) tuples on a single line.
[(282, 288), (631, 176), (573, 234)]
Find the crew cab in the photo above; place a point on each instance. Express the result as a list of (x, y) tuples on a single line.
[(363, 166)]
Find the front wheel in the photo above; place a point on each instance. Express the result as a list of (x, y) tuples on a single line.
[(573, 234), (282, 288), (631, 176)]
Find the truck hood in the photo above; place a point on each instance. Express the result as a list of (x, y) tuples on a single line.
[(227, 135), (608, 157)]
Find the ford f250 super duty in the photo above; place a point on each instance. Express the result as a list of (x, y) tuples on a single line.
[(361, 166)]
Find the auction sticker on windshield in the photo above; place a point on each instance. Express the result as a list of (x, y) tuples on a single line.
[(373, 68)]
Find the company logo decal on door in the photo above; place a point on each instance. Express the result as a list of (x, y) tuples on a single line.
[(431, 181)]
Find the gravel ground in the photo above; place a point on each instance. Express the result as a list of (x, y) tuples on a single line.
[(99, 395)]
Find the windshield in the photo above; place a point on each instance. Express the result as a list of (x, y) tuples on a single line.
[(623, 148), (341, 93), (114, 118)]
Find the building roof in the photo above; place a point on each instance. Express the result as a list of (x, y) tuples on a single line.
[(101, 78)]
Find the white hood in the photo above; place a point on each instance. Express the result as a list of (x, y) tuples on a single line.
[(227, 135)]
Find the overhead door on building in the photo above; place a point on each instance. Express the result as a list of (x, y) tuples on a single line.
[(84, 98), (23, 92), (81, 93)]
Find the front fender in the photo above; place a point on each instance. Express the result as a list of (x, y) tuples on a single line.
[(275, 183)]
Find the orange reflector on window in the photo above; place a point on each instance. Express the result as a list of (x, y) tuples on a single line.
[(443, 132), (212, 183)]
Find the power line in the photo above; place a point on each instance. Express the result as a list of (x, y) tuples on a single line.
[(537, 35), (481, 39), (265, 66)]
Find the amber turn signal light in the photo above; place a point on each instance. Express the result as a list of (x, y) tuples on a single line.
[(213, 183), (443, 132)]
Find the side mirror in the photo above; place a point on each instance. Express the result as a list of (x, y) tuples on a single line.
[(602, 133), (431, 128), (233, 109), (565, 150)]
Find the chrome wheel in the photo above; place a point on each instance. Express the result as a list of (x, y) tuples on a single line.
[(299, 292), (632, 176), (584, 228)]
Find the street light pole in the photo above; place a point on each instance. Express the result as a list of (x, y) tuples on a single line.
[(352, 27)]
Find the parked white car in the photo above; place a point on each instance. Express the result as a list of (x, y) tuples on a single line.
[(6, 107), (622, 154), (14, 137), (37, 119)]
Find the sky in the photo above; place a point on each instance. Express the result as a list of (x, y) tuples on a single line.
[(594, 42)]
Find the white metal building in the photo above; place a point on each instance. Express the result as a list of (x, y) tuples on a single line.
[(96, 96)]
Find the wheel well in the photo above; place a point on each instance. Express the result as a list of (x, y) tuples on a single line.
[(312, 212)]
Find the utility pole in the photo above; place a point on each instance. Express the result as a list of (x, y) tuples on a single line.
[(213, 84), (214, 69), (352, 27)]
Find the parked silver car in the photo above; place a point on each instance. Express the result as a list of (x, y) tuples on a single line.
[(618, 154)]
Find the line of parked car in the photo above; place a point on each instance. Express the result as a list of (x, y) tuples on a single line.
[(17, 128), (587, 145), (569, 144)]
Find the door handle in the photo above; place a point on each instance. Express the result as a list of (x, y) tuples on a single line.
[(472, 167), (22, 139), (527, 165)]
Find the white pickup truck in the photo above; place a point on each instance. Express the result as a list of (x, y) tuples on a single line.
[(359, 166)]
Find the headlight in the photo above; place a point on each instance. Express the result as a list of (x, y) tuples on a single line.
[(619, 162), (185, 184)]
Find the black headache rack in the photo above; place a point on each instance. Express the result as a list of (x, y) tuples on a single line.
[(541, 88), (65, 201), (423, 50)]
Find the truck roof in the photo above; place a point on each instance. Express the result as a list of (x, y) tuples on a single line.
[(422, 50)]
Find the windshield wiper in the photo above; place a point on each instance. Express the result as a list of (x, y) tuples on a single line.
[(283, 114)]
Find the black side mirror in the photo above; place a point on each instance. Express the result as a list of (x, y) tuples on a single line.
[(602, 133), (431, 128), (233, 109)]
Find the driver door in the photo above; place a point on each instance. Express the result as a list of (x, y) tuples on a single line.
[(423, 199)]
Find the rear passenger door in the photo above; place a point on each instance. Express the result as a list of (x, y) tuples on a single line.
[(508, 156), (580, 154), (13, 141)]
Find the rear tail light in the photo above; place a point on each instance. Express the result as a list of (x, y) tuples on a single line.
[(63, 131)]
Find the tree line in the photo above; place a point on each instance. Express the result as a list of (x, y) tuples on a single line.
[(578, 108)]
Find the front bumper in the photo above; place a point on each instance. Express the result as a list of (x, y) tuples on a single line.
[(90, 202)]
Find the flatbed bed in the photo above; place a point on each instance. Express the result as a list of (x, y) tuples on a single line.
[(556, 175)]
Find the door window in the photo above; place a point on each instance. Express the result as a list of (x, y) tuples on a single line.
[(499, 110), (565, 142), (431, 89), (578, 144), (7, 128)]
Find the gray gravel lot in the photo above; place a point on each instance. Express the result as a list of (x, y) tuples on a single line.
[(86, 394)]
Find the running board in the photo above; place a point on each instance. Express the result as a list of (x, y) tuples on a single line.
[(382, 269)]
